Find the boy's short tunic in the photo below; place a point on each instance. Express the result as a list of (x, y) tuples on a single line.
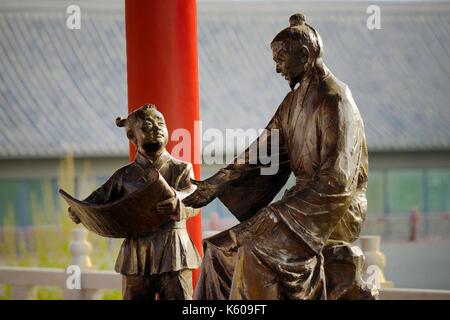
[(169, 247)]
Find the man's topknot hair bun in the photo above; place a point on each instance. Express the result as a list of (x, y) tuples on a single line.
[(297, 19), (148, 106), (298, 33)]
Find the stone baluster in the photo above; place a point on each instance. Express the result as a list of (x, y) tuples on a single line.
[(80, 249), (374, 262)]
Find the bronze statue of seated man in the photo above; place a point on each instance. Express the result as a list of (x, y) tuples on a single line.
[(300, 246)]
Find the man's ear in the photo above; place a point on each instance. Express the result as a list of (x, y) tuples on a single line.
[(304, 54)]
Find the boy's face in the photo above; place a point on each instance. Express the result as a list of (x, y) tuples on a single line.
[(150, 130)]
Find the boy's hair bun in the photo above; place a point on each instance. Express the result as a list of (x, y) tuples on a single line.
[(120, 122)]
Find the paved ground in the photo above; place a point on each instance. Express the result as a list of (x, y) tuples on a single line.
[(418, 265)]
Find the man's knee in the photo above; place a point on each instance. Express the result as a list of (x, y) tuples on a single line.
[(223, 241), (252, 279)]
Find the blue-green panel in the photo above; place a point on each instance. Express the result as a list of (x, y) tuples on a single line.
[(405, 190), (375, 194), (438, 181)]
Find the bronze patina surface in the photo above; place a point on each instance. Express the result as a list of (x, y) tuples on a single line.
[(159, 263), (298, 247), (130, 215)]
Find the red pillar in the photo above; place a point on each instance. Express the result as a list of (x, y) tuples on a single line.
[(162, 68)]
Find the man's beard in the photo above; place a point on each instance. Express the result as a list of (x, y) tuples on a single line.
[(305, 74), (293, 82)]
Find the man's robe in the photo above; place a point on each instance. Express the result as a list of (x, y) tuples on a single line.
[(278, 250)]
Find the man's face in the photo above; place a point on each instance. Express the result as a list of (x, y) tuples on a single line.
[(288, 62), (150, 130)]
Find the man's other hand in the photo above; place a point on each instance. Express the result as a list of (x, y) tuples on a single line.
[(204, 194)]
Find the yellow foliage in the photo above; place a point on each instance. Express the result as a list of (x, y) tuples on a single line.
[(8, 243), (47, 242)]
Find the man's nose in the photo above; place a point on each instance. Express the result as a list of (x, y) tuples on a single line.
[(156, 126)]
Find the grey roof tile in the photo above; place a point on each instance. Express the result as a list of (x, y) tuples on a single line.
[(62, 89)]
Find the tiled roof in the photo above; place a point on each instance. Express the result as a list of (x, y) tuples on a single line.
[(61, 89)]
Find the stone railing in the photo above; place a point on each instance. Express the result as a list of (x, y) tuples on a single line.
[(23, 281), (81, 282)]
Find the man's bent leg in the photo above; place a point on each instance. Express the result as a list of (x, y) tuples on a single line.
[(220, 253), (276, 264), (252, 279)]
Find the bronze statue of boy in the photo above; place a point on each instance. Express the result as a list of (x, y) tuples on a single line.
[(158, 264)]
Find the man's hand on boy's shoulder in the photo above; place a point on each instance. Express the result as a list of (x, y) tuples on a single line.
[(170, 207)]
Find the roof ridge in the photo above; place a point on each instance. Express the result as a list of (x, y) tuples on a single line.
[(55, 5)]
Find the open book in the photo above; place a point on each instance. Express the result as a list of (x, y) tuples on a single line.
[(131, 215)]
